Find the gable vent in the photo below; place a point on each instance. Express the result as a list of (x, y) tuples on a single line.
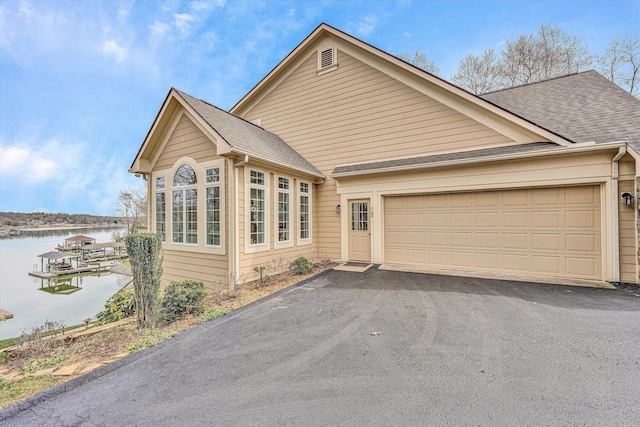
[(326, 58)]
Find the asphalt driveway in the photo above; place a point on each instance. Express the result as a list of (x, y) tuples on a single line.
[(450, 351)]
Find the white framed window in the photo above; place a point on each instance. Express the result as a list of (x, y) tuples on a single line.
[(184, 206), (161, 207), (305, 210), (257, 208), (213, 212), (283, 210)]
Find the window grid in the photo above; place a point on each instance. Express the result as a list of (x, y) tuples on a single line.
[(304, 211), (161, 213), (212, 175), (257, 235), (283, 210), (191, 214), (359, 216), (213, 207), (185, 206), (178, 217)]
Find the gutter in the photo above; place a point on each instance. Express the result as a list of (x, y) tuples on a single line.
[(234, 247), (615, 232), (511, 156), (277, 163)]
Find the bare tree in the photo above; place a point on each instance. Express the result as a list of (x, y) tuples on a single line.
[(551, 53), (620, 63), (479, 74), (132, 204), (530, 58), (421, 61)]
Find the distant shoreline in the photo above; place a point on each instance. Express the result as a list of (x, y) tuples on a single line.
[(72, 227)]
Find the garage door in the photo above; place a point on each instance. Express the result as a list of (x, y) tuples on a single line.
[(549, 232)]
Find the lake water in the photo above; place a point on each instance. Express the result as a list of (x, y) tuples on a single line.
[(28, 298)]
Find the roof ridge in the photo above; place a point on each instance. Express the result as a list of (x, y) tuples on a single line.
[(540, 81), (220, 109)]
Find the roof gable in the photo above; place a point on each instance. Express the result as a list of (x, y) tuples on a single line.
[(244, 137), (582, 107), (511, 125), (229, 134)]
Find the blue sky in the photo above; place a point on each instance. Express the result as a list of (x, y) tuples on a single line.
[(82, 81)]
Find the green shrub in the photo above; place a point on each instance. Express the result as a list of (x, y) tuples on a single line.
[(182, 298), (42, 363), (301, 266), (210, 315), (122, 304), (146, 342), (145, 255), (264, 278)]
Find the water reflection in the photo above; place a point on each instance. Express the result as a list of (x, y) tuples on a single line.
[(33, 301), (61, 285)]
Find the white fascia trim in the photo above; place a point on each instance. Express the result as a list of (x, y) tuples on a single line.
[(487, 159), (277, 163)]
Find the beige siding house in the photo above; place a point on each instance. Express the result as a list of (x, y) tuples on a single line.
[(346, 152)]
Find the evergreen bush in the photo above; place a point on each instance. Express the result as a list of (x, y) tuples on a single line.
[(145, 255), (301, 266), (182, 298), (122, 304)]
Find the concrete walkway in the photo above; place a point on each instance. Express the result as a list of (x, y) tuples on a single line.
[(378, 348)]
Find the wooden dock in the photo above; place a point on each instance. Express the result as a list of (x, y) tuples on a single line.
[(83, 269), (5, 315)]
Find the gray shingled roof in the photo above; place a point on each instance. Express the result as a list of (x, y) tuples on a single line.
[(580, 107), (418, 162), (249, 138)]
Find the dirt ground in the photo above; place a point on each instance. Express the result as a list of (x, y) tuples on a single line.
[(28, 374)]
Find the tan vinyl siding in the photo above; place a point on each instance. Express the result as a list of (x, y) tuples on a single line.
[(185, 140), (357, 113), (207, 268), (626, 219)]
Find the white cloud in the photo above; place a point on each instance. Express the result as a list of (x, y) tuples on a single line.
[(183, 22), (64, 174), (125, 9), (366, 26), (206, 4), (29, 165), (158, 30), (25, 9), (111, 48), (407, 34)]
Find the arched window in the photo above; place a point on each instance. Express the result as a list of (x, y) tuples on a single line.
[(185, 206)]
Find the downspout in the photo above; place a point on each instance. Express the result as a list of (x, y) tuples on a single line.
[(234, 250), (615, 229)]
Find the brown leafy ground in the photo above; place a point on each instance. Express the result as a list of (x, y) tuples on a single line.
[(31, 372)]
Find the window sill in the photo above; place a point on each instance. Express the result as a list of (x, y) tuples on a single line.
[(326, 70)]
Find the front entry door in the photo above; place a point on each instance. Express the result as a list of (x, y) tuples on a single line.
[(359, 232)]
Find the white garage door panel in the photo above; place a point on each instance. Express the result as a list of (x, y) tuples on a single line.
[(550, 231)]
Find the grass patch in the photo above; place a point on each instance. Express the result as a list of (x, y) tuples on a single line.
[(17, 390), (210, 315), (8, 342), (152, 337), (37, 364)]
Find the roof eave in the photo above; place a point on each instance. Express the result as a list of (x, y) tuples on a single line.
[(315, 174), (488, 159)]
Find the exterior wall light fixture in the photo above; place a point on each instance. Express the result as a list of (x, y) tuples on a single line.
[(628, 199)]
